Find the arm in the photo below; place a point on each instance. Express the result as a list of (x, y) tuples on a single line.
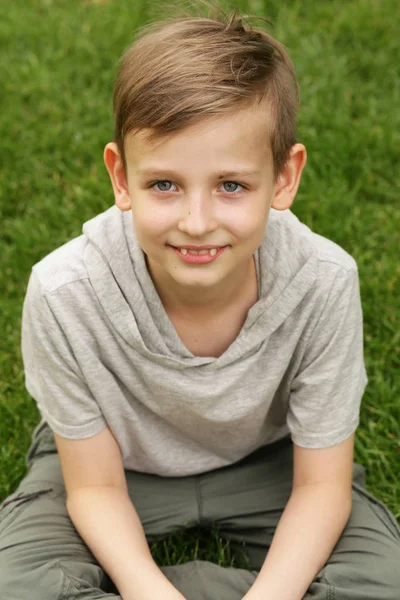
[(97, 499), (311, 524), (100, 508)]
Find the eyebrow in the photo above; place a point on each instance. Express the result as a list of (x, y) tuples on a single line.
[(219, 174)]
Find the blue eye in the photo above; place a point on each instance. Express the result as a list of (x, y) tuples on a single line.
[(165, 185), (230, 183), (162, 182)]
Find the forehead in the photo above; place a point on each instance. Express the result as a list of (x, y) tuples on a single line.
[(240, 136)]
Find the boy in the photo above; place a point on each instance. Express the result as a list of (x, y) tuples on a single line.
[(197, 354)]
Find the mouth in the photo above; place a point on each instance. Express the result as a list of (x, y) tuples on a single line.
[(198, 251), (198, 256)]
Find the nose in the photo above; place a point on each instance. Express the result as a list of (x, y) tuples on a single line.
[(198, 218)]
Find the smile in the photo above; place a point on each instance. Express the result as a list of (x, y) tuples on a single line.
[(211, 251), (198, 257)]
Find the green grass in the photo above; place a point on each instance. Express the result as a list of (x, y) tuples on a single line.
[(57, 66)]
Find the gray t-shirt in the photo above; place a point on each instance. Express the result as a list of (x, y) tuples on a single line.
[(99, 349)]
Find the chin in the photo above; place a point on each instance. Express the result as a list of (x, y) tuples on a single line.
[(194, 281)]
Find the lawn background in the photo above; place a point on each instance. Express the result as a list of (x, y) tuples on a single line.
[(57, 67)]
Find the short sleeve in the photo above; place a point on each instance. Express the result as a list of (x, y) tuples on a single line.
[(326, 393), (52, 376)]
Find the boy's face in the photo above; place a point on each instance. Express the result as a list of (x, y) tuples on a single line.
[(192, 189)]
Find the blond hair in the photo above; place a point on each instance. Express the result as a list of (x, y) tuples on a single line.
[(181, 71)]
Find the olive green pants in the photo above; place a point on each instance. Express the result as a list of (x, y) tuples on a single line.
[(42, 556)]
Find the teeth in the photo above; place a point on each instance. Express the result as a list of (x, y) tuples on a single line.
[(212, 252)]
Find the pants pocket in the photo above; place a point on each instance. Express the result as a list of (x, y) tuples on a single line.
[(86, 576), (12, 506)]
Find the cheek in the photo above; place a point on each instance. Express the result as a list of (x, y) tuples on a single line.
[(249, 224), (152, 221)]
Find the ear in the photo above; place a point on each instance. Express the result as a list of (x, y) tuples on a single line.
[(289, 179), (115, 168)]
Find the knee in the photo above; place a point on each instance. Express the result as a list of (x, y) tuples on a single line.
[(366, 575)]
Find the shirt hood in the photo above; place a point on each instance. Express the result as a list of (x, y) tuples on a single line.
[(286, 264)]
